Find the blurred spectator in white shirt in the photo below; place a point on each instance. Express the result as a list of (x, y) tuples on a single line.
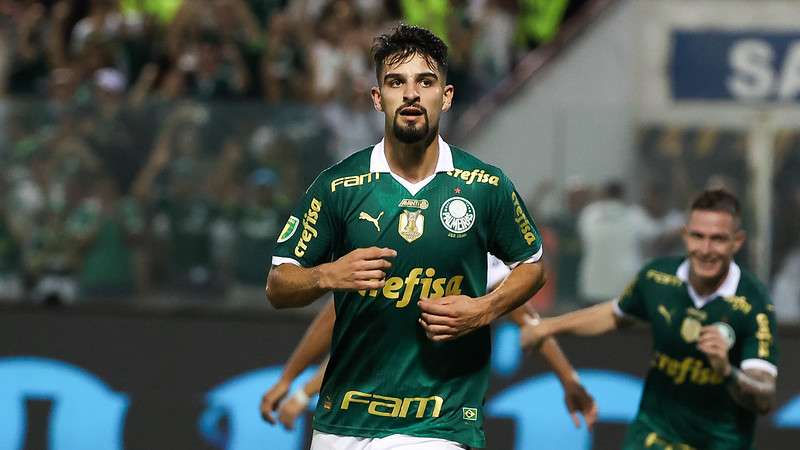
[(612, 233)]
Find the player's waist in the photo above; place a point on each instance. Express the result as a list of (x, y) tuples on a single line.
[(388, 408)]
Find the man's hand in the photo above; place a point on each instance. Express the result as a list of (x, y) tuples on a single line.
[(289, 410), (452, 316), (363, 268), (533, 334), (715, 347), (578, 400), (271, 399)]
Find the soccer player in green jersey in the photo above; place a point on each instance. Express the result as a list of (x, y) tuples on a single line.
[(714, 362), (317, 339), (399, 232)]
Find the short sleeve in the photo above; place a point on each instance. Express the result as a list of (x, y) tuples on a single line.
[(306, 239), (758, 343), (632, 301), (512, 235)]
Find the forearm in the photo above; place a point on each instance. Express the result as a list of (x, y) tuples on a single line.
[(590, 321), (753, 390), (520, 285), (315, 384), (558, 362), (550, 350), (314, 344), (290, 286)]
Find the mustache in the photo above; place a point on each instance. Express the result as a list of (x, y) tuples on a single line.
[(412, 105)]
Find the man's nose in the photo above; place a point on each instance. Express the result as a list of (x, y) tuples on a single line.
[(705, 246), (411, 93)]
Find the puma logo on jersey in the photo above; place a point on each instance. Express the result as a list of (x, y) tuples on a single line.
[(663, 311), (374, 220)]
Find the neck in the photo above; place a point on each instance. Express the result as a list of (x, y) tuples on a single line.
[(707, 286), (413, 162)]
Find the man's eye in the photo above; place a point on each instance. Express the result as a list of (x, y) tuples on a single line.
[(394, 83), (426, 83)]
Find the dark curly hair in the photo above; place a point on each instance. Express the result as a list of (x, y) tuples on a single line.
[(403, 42)]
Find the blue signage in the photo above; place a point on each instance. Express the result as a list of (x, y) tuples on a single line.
[(745, 66), (237, 401), (86, 414), (537, 407)]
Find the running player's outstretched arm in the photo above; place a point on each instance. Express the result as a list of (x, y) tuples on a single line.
[(291, 286), (456, 315), (314, 344), (591, 321), (576, 397)]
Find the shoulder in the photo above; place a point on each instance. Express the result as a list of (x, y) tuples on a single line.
[(471, 169), (662, 271), (354, 166), (754, 291)]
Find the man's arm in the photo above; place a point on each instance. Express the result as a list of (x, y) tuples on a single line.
[(456, 315), (290, 286), (296, 404), (576, 397), (591, 321), (751, 388), (311, 347)]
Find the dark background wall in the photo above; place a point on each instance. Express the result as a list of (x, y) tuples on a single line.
[(99, 379)]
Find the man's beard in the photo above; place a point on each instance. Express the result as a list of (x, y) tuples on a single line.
[(410, 134)]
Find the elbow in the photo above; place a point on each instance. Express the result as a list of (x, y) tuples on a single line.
[(542, 279), (273, 293), (275, 299)]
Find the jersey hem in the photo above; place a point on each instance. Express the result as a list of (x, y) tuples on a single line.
[(760, 364), (532, 259), (342, 430), (617, 310), (278, 260)]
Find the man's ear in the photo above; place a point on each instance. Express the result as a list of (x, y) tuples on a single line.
[(375, 92), (738, 239), (447, 97)]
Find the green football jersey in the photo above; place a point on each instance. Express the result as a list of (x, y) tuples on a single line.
[(385, 376), (684, 400)]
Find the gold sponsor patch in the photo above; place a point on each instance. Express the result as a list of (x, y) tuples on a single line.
[(475, 176), (355, 180), (402, 289), (308, 232), (414, 203), (663, 278), (387, 406), (525, 228), (687, 370)]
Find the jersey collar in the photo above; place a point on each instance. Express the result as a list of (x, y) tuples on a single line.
[(378, 163), (726, 289)]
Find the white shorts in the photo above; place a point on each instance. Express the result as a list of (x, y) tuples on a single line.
[(325, 441)]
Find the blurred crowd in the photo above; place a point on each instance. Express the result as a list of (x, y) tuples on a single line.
[(149, 149), (312, 51)]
